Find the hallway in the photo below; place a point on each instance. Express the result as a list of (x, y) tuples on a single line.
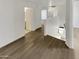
[(35, 46)]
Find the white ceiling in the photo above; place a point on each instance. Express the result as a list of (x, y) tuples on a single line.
[(35, 1), (41, 2)]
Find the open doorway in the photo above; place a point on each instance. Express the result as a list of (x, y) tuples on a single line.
[(76, 24), (28, 18), (55, 24)]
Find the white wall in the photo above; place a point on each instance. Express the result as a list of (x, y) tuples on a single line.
[(69, 24), (36, 22), (62, 13), (76, 14), (11, 21)]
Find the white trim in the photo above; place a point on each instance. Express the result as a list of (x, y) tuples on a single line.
[(1, 46)]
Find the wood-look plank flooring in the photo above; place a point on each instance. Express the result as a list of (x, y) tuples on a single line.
[(76, 42), (35, 46)]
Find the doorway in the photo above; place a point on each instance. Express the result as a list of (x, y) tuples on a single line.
[(76, 24), (28, 19)]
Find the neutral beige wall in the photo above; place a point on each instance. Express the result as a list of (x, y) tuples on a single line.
[(11, 21)]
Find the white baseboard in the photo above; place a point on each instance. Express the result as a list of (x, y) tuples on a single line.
[(36, 28), (69, 45), (11, 41)]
